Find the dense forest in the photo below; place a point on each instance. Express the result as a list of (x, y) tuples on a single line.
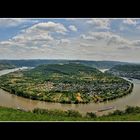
[(65, 83)]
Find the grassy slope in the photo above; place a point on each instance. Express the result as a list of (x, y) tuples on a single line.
[(8, 114)]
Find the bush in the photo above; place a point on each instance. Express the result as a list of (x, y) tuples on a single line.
[(130, 109), (117, 112), (72, 113), (91, 115), (56, 112), (39, 111)]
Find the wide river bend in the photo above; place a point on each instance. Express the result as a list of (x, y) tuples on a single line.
[(13, 101)]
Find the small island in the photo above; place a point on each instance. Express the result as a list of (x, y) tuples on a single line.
[(65, 83)]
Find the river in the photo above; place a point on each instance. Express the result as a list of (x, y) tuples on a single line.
[(13, 101)]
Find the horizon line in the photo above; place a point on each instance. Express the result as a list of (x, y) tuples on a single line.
[(69, 60)]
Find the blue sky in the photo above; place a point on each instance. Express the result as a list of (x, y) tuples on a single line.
[(70, 38)]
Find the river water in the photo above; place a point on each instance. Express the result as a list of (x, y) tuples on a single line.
[(10, 100)]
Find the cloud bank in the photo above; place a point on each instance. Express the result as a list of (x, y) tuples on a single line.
[(89, 39)]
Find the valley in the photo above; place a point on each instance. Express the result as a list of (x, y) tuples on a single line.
[(77, 69), (65, 83)]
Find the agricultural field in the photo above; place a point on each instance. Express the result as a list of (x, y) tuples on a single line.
[(65, 83)]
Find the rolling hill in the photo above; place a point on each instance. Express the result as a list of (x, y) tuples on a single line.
[(65, 83), (37, 62), (130, 71)]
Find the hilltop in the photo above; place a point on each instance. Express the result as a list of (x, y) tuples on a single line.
[(65, 69), (37, 62)]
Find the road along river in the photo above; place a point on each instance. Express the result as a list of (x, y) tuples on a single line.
[(13, 101)]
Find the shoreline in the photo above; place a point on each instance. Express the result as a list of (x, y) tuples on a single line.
[(83, 108), (129, 91)]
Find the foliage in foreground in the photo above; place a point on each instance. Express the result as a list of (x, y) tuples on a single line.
[(9, 114), (68, 113)]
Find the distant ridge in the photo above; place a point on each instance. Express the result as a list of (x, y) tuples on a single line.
[(130, 71), (67, 69), (36, 62)]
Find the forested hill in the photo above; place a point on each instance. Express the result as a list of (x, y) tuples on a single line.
[(6, 66), (130, 71), (36, 62), (65, 83), (66, 69)]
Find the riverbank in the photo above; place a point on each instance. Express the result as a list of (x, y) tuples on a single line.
[(6, 71), (11, 100), (9, 114), (54, 83)]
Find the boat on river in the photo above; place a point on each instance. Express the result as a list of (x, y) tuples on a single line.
[(106, 108)]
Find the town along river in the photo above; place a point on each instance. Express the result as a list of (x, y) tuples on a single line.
[(13, 101)]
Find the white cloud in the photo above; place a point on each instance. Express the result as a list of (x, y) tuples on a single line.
[(86, 45), (101, 35), (52, 40), (66, 41), (49, 27), (37, 35), (99, 23), (72, 28), (124, 48), (135, 42), (117, 40), (109, 37), (129, 21), (87, 37), (12, 22)]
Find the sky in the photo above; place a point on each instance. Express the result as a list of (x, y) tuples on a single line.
[(115, 39)]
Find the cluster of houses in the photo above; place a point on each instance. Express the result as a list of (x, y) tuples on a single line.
[(88, 89)]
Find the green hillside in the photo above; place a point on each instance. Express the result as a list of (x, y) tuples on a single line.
[(6, 66), (65, 83), (37, 62), (130, 71), (66, 69)]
